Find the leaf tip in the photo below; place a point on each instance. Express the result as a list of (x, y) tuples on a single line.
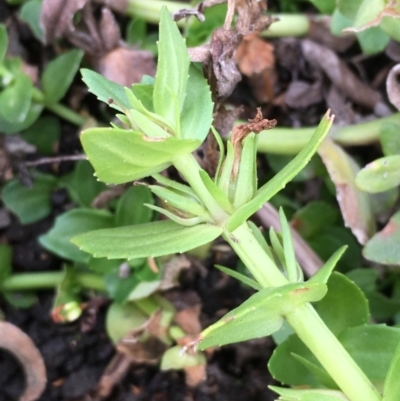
[(330, 117)]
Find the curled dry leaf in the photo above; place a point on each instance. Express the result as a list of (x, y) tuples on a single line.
[(393, 86), (56, 17), (301, 94), (340, 74), (18, 344), (354, 204)]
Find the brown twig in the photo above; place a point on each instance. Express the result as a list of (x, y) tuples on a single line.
[(56, 159)]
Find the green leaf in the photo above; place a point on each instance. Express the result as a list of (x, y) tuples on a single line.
[(131, 209), (314, 217), (391, 26), (279, 181), (391, 389), (383, 247), (390, 138), (324, 6), (21, 300), (70, 224), (6, 253), (120, 156), (34, 111), (81, 184), (380, 175), (372, 347), (324, 273), (176, 358), (30, 13), (197, 112), (261, 315), (142, 240), (147, 126), (291, 266), (373, 40), (15, 100), (30, 204), (106, 91), (344, 306), (349, 8), (3, 42), (144, 93), (240, 277), (121, 319), (172, 70), (58, 75), (289, 394), (44, 134)]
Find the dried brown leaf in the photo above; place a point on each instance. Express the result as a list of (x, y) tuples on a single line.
[(56, 17), (354, 204), (340, 74), (254, 55), (301, 94), (194, 375), (188, 320), (126, 66), (109, 32), (18, 344)]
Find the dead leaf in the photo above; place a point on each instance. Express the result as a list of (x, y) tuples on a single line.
[(188, 320), (254, 55), (340, 75), (301, 94), (18, 344), (126, 66), (393, 87), (56, 17), (194, 375), (354, 204)]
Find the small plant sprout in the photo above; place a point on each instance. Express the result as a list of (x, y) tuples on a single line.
[(163, 121)]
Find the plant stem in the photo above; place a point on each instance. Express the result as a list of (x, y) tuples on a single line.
[(59, 109), (189, 168), (290, 141), (305, 321), (48, 280), (287, 25)]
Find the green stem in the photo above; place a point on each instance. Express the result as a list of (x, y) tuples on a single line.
[(59, 109), (189, 168), (287, 25), (305, 321), (289, 141), (49, 280)]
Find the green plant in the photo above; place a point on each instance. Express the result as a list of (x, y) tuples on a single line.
[(165, 120)]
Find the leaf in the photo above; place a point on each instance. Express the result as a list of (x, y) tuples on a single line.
[(144, 93), (34, 111), (131, 209), (324, 273), (121, 319), (261, 315), (106, 91), (30, 204), (335, 312), (44, 134), (147, 126), (3, 42), (289, 394), (344, 306), (391, 389), (372, 347), (279, 181), (383, 246), (30, 13), (380, 175), (354, 204), (176, 358), (197, 112), (81, 184), (314, 217), (373, 40), (15, 100), (324, 6), (240, 277), (6, 254), (58, 75), (142, 240), (72, 223), (120, 156), (349, 8), (390, 138), (291, 266), (172, 70)]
